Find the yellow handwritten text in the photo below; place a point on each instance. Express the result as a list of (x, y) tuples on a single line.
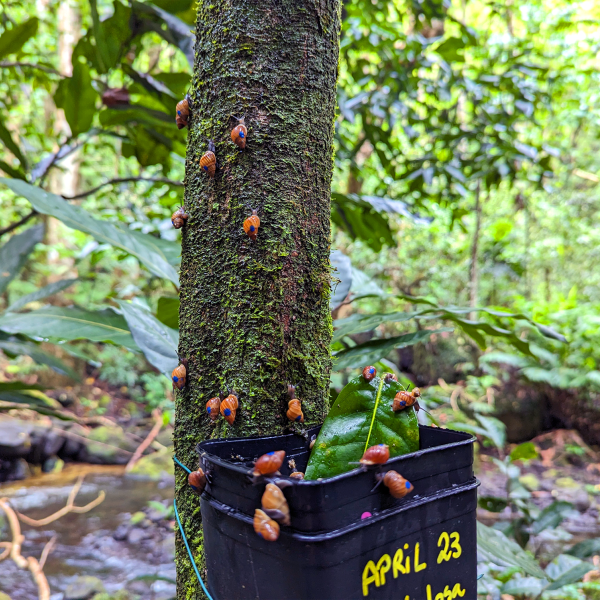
[(450, 545), (447, 594)]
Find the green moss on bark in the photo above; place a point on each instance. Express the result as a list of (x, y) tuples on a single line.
[(255, 315)]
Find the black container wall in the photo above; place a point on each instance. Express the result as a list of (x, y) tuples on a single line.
[(421, 550), (445, 459)]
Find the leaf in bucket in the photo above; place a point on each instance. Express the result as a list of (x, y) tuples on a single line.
[(361, 417)]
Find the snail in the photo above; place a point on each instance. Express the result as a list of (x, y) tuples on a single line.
[(208, 162), (178, 376), (294, 412), (269, 463), (375, 455), (369, 373), (390, 377), (265, 527), (179, 217), (398, 486), (182, 116), (297, 475), (212, 408), (239, 134), (275, 505), (251, 225), (197, 481), (404, 399), (229, 407)]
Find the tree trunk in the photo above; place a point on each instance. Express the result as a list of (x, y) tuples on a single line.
[(255, 314), (474, 270)]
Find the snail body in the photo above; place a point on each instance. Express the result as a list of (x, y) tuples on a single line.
[(275, 505), (213, 408), (398, 486), (251, 225), (182, 112), (269, 463), (265, 527), (369, 373), (239, 134), (376, 455), (178, 377), (197, 481), (179, 217), (229, 407)]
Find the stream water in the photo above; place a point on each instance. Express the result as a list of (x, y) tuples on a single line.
[(85, 543)]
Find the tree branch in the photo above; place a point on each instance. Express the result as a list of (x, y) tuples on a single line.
[(18, 223), (123, 180), (6, 64)]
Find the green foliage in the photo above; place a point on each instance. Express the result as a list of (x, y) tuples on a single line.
[(361, 417)]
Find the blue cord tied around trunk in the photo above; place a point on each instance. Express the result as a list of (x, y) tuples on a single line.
[(185, 539)]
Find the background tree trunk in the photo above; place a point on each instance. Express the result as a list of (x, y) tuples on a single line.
[(255, 315)]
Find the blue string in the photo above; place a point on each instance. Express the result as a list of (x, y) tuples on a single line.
[(185, 539)]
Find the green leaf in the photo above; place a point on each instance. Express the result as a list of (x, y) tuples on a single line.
[(167, 312), (15, 347), (552, 516), (586, 548), (36, 401), (14, 254), (374, 350), (157, 341), (357, 323), (564, 570), (69, 324), (11, 386), (343, 271), (40, 294), (492, 503), (530, 587), (112, 35), (8, 141), (77, 97), (497, 548), (12, 40), (151, 252), (16, 173), (525, 451), (361, 417), (490, 428)]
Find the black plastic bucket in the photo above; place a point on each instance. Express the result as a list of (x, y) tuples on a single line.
[(422, 547), (445, 459)]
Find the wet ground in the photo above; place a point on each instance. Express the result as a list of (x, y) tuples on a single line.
[(86, 544)]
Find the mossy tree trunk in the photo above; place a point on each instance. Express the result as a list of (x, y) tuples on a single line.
[(255, 314)]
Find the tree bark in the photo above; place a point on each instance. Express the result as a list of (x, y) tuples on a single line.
[(255, 314)]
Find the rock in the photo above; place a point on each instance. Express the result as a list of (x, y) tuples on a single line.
[(15, 439), (120, 533), (137, 518), (111, 440), (20, 470), (155, 466), (4, 596), (168, 545), (136, 535), (530, 481), (120, 595), (83, 588), (53, 465)]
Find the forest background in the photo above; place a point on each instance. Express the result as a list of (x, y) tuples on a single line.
[(464, 207)]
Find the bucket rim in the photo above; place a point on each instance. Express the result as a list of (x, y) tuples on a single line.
[(213, 458)]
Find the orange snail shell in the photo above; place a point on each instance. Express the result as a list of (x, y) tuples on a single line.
[(294, 412), (197, 481), (297, 475), (182, 116), (208, 163), (369, 373), (251, 225), (239, 135), (229, 407), (265, 527), (376, 455), (179, 217), (178, 376), (212, 408), (269, 463), (404, 399), (275, 505), (398, 486)]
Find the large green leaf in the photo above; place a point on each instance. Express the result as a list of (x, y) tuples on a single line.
[(167, 311), (373, 350), (41, 293), (586, 548), (13, 255), (70, 324), (16, 347), (77, 97), (552, 516), (357, 323), (12, 40), (8, 141), (361, 417), (154, 254), (157, 341)]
